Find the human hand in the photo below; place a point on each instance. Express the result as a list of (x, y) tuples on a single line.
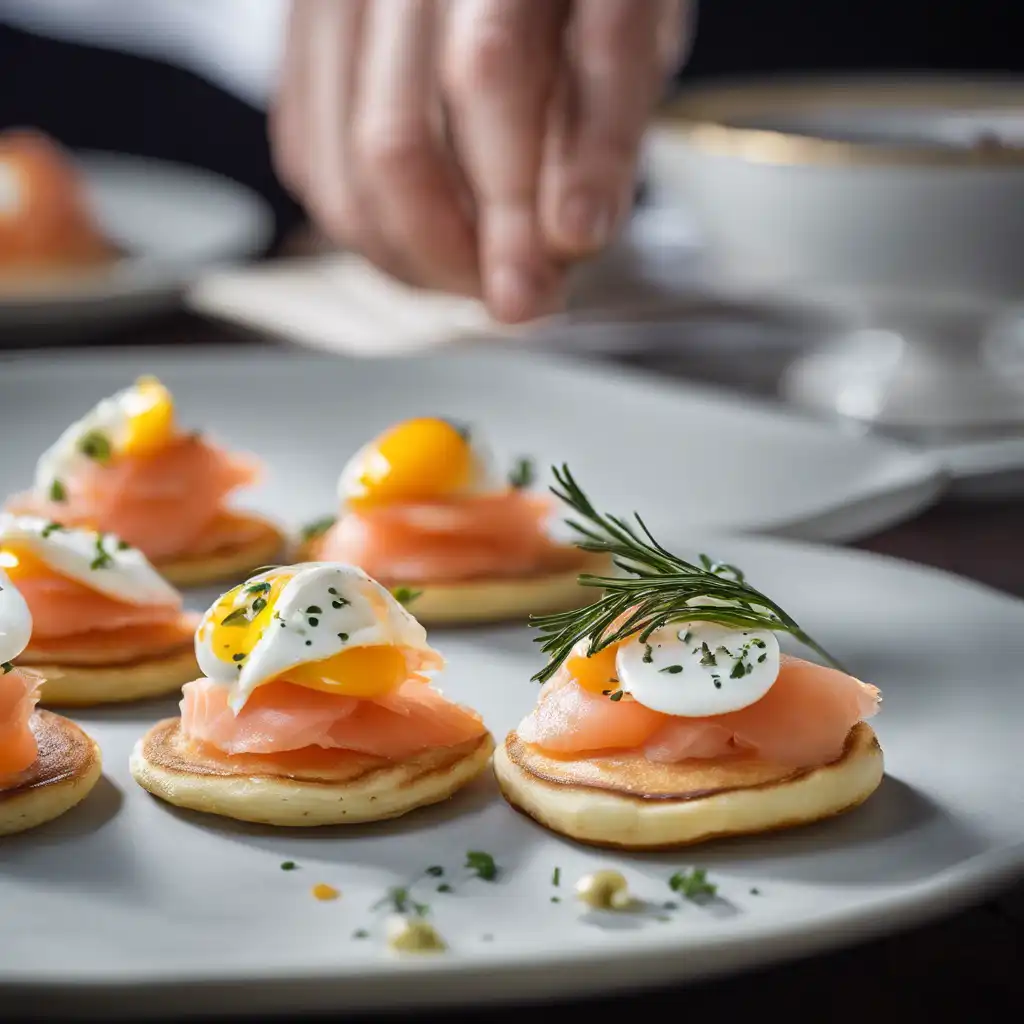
[(474, 146)]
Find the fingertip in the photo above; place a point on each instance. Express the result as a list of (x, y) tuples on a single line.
[(584, 221)]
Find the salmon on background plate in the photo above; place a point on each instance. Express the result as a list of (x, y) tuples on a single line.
[(107, 627), (669, 714), (128, 468), (423, 508), (47, 763)]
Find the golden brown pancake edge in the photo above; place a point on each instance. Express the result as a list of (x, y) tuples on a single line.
[(227, 563), (68, 766), (363, 789), (602, 802)]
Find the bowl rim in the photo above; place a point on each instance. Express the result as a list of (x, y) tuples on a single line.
[(703, 114)]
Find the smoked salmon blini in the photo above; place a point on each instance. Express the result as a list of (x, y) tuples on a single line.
[(108, 627), (46, 225), (669, 714), (47, 764), (127, 468), (315, 708), (422, 509)]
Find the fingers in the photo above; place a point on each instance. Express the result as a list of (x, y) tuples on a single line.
[(287, 123), (618, 54), (499, 65), (405, 173)]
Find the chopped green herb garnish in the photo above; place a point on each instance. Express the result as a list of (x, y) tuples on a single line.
[(57, 491), (314, 610), (444, 887), (343, 637), (289, 865), (318, 527), (616, 696), (239, 617), (50, 528), (102, 559), (656, 588), (436, 871), (123, 545), (556, 899), (238, 657), (405, 595), (360, 933), (692, 884), (672, 670), (258, 588), (5, 667), (556, 876), (96, 445), (707, 658), (482, 864), (402, 903), (523, 474), (755, 891), (648, 654), (258, 605), (739, 670), (314, 621)]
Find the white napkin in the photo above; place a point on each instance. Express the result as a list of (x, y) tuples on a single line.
[(341, 303)]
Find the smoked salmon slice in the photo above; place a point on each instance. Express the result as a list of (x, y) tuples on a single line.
[(802, 721), (473, 537), (281, 717), (19, 692), (166, 503)]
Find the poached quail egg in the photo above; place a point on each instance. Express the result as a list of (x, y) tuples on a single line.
[(420, 460), (323, 625), (15, 622), (31, 546), (135, 421)]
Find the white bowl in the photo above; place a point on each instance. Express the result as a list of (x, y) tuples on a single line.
[(899, 201)]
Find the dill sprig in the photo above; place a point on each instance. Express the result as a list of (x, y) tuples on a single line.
[(661, 589)]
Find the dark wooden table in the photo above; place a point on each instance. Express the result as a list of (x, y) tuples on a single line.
[(961, 968)]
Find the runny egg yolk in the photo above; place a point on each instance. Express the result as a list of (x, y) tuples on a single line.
[(418, 460), (21, 564), (595, 674), (357, 672), (234, 625), (151, 424), (238, 620)]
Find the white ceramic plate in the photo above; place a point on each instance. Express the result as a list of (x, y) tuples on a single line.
[(127, 907), (173, 222), (712, 459)]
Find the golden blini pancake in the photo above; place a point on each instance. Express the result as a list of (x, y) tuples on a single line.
[(628, 802), (229, 562), (358, 789), (83, 685), (68, 766), (500, 600)]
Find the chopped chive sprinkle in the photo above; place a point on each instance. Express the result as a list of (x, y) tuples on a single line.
[(739, 670), (616, 696), (444, 887), (238, 657), (482, 864), (707, 658), (648, 654), (692, 884), (5, 667), (672, 670), (96, 445), (314, 622), (343, 637), (57, 491), (258, 605), (556, 899), (258, 588), (556, 876), (317, 528), (360, 933), (405, 595), (50, 528), (755, 891), (435, 871), (314, 610), (289, 865), (523, 474)]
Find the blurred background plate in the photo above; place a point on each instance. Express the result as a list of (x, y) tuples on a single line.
[(173, 222)]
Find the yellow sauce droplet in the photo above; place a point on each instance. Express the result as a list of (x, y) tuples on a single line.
[(419, 460), (151, 426), (604, 890), (414, 935), (323, 892)]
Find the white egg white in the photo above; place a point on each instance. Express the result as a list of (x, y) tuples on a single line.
[(111, 417), (15, 621), (124, 574), (369, 615), (369, 461), (696, 669)]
